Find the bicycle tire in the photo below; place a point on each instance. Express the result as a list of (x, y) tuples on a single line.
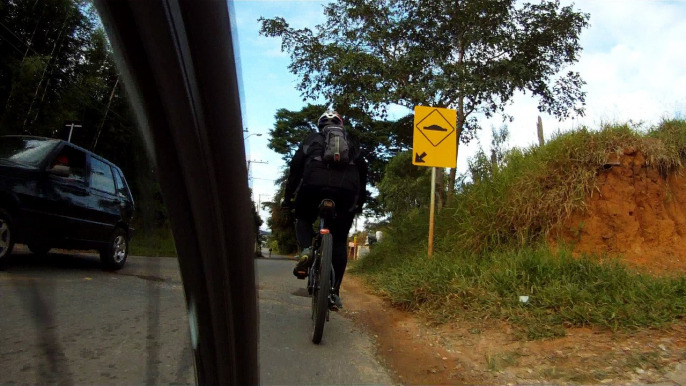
[(321, 294)]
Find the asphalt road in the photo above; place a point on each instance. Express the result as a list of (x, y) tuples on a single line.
[(63, 320)]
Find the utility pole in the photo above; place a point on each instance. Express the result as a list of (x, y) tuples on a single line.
[(539, 127), (258, 249), (254, 162)]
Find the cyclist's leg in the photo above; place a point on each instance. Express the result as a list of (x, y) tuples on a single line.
[(306, 211), (304, 232), (339, 231)]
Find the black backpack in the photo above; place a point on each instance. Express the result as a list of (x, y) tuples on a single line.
[(331, 157), (333, 147)]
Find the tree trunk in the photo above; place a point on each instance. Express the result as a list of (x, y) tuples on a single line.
[(453, 171), (440, 188), (28, 48), (458, 133), (104, 117), (453, 175), (45, 70)]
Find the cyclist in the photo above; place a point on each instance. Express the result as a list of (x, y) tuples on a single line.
[(317, 172)]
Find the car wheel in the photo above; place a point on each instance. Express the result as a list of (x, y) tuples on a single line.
[(39, 250), (6, 235), (114, 255)]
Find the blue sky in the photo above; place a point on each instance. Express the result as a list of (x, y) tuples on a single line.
[(634, 63)]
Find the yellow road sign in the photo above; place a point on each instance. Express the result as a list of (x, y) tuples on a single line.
[(434, 142)]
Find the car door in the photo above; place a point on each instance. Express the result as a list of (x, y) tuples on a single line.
[(105, 206), (63, 199)]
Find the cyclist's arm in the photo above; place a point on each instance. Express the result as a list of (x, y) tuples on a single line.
[(295, 173)]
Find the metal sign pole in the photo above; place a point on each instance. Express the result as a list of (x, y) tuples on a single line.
[(431, 211), (71, 127)]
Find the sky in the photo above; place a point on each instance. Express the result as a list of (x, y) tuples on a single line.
[(633, 60)]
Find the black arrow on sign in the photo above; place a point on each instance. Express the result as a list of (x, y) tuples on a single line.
[(419, 158)]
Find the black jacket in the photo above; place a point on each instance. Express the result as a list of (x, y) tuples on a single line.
[(297, 169)]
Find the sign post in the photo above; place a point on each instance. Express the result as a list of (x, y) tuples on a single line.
[(434, 144), (71, 125), (431, 211)]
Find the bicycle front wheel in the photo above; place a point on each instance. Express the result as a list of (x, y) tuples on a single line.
[(320, 296)]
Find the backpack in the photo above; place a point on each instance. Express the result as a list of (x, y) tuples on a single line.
[(332, 147), (337, 149), (331, 157)]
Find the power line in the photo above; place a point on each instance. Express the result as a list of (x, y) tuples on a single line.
[(11, 45), (12, 32)]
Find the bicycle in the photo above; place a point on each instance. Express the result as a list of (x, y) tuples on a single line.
[(321, 276)]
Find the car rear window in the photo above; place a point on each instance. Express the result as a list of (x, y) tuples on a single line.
[(101, 176), (26, 151)]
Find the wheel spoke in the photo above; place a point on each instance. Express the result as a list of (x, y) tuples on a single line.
[(3, 228), (3, 245)]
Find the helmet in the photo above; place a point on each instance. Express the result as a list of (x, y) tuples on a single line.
[(330, 117)]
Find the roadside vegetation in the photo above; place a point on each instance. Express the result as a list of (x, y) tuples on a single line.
[(491, 240), (155, 243)]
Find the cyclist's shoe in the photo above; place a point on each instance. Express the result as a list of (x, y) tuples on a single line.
[(336, 303), (300, 270)]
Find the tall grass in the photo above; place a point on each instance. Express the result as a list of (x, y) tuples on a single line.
[(533, 189), (491, 248)]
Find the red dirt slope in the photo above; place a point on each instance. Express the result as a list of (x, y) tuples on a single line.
[(635, 212)]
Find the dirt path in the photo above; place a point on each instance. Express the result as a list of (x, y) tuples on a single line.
[(489, 352)]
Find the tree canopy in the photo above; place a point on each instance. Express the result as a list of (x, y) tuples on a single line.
[(471, 55)]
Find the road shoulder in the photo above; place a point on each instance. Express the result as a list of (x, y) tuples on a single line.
[(490, 352)]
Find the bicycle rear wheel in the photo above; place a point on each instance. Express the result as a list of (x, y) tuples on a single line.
[(320, 296)]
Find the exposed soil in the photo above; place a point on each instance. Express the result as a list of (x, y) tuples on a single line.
[(489, 352), (636, 213)]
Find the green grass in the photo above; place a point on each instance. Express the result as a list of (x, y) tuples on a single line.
[(155, 243), (490, 243), (563, 290)]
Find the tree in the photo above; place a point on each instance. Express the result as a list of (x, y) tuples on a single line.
[(471, 55), (404, 186), (282, 222)]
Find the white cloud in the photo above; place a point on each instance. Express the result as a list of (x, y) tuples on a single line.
[(634, 63)]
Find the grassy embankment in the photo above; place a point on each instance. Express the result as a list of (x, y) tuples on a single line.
[(491, 244), (153, 242)]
